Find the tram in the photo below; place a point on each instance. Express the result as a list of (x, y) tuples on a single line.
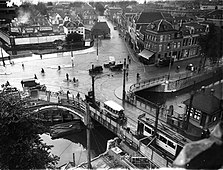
[(166, 139), (113, 109)]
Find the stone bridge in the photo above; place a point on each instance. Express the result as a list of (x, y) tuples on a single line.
[(147, 84)]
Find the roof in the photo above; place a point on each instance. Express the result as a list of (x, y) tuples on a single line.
[(113, 105), (160, 26), (148, 17), (100, 27), (73, 24), (204, 102), (217, 14)]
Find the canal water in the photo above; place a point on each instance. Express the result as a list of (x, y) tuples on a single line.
[(76, 143)]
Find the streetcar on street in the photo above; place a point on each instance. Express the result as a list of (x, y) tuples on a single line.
[(114, 111)]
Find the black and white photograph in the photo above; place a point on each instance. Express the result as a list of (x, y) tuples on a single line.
[(111, 84)]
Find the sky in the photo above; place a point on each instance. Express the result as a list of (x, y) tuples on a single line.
[(19, 2)]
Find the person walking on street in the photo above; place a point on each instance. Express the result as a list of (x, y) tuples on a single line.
[(35, 77), (137, 77), (67, 76), (42, 71), (22, 66), (127, 74)]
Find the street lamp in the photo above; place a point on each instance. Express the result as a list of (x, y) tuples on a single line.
[(3, 61), (170, 63), (97, 47), (124, 74)]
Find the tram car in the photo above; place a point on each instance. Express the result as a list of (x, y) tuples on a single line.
[(167, 139), (114, 110)]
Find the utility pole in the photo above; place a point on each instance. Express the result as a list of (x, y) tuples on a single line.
[(97, 47), (89, 127), (189, 110), (3, 61), (93, 93), (170, 63), (124, 74), (156, 121)]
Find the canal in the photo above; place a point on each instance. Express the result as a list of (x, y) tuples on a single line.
[(75, 143)]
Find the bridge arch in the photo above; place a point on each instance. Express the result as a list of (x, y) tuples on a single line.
[(73, 111)]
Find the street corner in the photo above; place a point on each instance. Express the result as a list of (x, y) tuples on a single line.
[(118, 91)]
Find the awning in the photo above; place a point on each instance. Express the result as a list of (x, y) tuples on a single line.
[(3, 53), (146, 54)]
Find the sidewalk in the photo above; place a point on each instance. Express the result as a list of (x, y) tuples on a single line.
[(118, 91)]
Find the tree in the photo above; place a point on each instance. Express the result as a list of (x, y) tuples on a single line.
[(74, 37), (20, 144), (41, 7), (100, 8), (211, 45)]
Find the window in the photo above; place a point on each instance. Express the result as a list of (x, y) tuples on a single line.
[(171, 144), (195, 114), (168, 46), (161, 38), (148, 130), (160, 47), (175, 45), (178, 45), (162, 139)]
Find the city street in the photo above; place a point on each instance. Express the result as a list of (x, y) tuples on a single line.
[(105, 84)]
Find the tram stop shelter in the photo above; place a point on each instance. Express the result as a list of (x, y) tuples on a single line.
[(146, 57)]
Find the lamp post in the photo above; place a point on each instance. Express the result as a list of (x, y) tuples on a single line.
[(97, 47), (3, 61), (170, 63), (124, 74), (89, 127)]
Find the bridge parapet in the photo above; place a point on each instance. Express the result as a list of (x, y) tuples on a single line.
[(5, 37), (147, 83)]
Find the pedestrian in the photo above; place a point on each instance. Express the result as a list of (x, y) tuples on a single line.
[(127, 66), (22, 65), (22, 83), (67, 76), (78, 95), (74, 79), (41, 57), (42, 71), (35, 77), (7, 83), (127, 74), (59, 68), (137, 77)]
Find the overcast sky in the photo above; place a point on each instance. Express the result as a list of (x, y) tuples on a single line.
[(18, 2)]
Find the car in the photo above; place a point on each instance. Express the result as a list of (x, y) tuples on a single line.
[(96, 69), (117, 67), (164, 62), (190, 67), (110, 63), (32, 83)]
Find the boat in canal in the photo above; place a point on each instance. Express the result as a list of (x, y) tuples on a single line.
[(62, 129)]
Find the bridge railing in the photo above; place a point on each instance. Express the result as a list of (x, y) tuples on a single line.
[(147, 83), (147, 106), (5, 37)]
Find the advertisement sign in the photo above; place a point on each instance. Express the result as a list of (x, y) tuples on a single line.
[(87, 44), (45, 28), (15, 29)]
